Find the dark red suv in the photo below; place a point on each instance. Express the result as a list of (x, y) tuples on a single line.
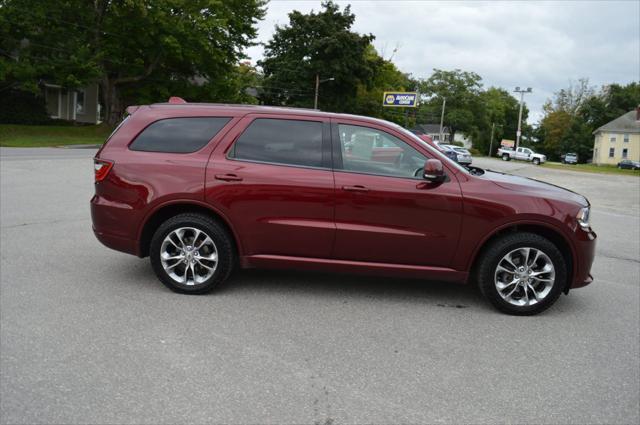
[(202, 188)]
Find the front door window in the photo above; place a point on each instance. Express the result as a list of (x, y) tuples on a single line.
[(370, 151)]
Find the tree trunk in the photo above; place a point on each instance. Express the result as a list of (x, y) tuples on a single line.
[(112, 105)]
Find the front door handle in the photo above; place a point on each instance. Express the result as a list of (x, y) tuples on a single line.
[(356, 188), (228, 177)]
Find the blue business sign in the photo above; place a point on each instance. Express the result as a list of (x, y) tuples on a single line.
[(400, 99)]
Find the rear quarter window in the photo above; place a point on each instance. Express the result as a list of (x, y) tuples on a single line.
[(178, 135)]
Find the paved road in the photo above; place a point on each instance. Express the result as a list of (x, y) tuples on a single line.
[(89, 336)]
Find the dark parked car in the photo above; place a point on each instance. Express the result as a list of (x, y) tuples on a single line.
[(202, 189), (449, 153), (629, 164)]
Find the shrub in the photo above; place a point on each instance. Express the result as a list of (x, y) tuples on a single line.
[(22, 107), (474, 152)]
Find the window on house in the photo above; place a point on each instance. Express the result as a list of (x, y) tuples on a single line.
[(626, 138), (178, 135), (612, 152), (612, 139), (624, 152), (80, 102)]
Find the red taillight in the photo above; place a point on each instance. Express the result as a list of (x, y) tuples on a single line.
[(101, 168)]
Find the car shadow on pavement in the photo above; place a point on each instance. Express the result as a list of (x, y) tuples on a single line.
[(342, 286), (348, 288)]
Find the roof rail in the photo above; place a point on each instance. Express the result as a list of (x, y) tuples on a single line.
[(175, 100)]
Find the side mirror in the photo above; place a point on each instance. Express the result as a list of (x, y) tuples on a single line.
[(434, 171)]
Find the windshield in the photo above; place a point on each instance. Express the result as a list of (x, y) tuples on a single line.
[(437, 154)]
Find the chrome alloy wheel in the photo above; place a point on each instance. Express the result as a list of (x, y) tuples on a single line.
[(524, 276), (189, 256)]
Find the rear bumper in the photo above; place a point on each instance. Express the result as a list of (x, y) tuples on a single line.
[(111, 225), (116, 242)]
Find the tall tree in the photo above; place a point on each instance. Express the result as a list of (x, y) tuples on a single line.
[(559, 118), (502, 110), (124, 43), (575, 112), (386, 77), (317, 45), (612, 101), (461, 89)]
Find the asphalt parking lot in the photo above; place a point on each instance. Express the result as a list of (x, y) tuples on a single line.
[(88, 335)]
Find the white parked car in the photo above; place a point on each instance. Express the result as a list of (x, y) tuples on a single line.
[(464, 156), (522, 154)]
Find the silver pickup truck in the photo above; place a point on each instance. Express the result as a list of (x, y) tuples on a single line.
[(522, 154)]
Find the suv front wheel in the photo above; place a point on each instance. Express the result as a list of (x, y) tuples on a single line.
[(522, 273), (191, 253)]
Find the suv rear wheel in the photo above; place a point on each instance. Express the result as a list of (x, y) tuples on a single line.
[(522, 273), (191, 253)]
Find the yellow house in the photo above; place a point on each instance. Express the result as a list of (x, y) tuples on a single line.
[(618, 140)]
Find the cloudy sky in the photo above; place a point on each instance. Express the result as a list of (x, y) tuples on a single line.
[(543, 45)]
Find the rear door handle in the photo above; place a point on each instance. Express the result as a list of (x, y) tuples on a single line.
[(228, 177), (356, 188)]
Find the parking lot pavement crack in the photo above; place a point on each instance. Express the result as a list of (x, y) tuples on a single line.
[(617, 257), (33, 223)]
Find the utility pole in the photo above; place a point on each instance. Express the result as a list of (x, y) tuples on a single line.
[(318, 81), (519, 133), (444, 102), (315, 102), (493, 126)]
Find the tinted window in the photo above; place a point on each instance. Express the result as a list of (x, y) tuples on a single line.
[(178, 135), (282, 142), (367, 150)]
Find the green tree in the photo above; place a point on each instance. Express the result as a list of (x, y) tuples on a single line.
[(560, 116), (464, 110), (501, 109), (153, 46), (575, 112), (578, 139), (386, 77), (554, 127), (318, 44), (611, 102)]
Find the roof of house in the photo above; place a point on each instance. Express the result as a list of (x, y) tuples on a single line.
[(431, 128), (625, 123)]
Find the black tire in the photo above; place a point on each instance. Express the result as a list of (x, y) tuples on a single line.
[(494, 253), (220, 237), (506, 157), (536, 161)]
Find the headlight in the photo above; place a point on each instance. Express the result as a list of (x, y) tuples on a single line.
[(583, 217)]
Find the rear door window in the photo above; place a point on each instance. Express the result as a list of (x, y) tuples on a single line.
[(281, 141), (178, 135)]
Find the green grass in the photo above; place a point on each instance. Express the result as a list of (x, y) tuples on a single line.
[(32, 136), (591, 168)]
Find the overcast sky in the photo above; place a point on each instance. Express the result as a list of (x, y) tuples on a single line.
[(543, 45)]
